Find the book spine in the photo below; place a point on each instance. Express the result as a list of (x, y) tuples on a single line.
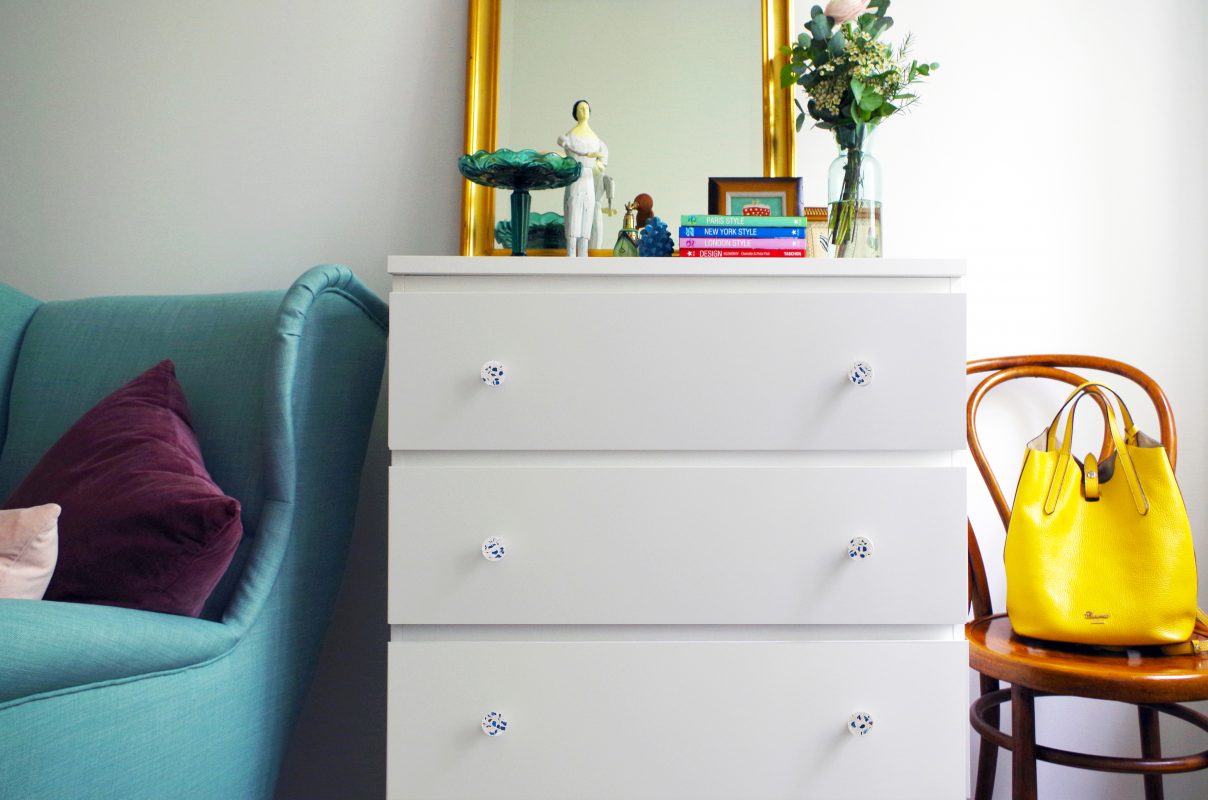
[(700, 252), (714, 232), (742, 244), (751, 222)]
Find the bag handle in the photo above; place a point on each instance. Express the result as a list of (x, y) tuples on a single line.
[(1140, 501)]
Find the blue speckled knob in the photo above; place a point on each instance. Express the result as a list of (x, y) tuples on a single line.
[(860, 373), (859, 724), (493, 549), (493, 724), (492, 373), (859, 549)]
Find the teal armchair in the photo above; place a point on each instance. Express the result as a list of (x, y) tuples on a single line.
[(111, 703)]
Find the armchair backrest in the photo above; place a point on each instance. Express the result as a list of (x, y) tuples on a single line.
[(16, 310)]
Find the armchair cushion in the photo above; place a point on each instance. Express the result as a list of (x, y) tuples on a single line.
[(29, 546), (143, 525)]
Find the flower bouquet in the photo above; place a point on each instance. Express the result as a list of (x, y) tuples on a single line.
[(853, 81)]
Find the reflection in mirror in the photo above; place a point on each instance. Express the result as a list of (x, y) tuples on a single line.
[(674, 88)]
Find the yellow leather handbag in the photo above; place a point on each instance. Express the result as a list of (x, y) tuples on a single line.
[(1100, 553)]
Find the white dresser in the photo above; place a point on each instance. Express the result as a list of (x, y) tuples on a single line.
[(654, 536)]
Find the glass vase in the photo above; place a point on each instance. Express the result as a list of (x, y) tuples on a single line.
[(854, 195)]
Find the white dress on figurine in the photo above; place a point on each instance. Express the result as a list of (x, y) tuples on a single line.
[(582, 202)]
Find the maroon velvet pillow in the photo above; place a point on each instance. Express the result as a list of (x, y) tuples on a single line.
[(143, 525)]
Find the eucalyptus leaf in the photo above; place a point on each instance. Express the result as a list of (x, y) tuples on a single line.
[(879, 6), (820, 27), (816, 11), (804, 40), (857, 88), (800, 122), (837, 44), (924, 69)]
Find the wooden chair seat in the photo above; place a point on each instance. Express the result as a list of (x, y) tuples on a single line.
[(1131, 676)]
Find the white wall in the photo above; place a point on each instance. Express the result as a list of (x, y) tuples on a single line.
[(1061, 151), (160, 146)]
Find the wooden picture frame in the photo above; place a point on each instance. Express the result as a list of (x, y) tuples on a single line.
[(727, 196), (817, 234)]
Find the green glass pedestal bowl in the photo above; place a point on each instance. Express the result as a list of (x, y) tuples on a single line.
[(520, 171)]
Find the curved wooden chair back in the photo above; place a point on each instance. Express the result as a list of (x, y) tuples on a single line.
[(1052, 367)]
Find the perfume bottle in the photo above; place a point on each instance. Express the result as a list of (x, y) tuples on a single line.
[(627, 237)]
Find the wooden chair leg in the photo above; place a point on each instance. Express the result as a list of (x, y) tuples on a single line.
[(1151, 747), (1023, 743), (987, 754)]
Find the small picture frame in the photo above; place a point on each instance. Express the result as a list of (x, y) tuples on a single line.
[(817, 233), (774, 197)]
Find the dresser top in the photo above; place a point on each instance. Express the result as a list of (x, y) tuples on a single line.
[(662, 267)]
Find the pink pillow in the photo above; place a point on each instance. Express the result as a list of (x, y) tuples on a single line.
[(143, 524), (29, 546)]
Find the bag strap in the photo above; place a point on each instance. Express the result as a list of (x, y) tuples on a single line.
[(1064, 458)]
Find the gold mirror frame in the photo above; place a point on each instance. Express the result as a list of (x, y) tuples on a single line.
[(482, 104)]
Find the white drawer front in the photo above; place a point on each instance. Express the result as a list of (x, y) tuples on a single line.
[(666, 371), (663, 721), (720, 545)]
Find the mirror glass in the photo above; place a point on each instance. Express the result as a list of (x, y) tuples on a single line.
[(675, 89)]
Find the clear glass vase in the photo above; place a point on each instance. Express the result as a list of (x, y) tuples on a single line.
[(854, 194)]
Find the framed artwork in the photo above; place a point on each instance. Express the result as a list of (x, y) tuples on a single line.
[(768, 197), (817, 234)]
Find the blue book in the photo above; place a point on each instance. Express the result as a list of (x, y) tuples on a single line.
[(739, 232)]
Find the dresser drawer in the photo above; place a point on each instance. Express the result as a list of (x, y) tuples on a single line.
[(670, 720), (676, 371), (718, 545)]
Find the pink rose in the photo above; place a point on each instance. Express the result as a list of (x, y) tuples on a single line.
[(846, 10)]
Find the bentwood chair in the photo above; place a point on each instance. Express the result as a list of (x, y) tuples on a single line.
[(1155, 683)]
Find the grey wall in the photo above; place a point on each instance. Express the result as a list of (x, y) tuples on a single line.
[(163, 147)]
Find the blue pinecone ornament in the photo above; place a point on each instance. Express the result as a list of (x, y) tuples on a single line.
[(656, 239)]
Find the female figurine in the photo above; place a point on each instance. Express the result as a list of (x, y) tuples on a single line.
[(582, 202)]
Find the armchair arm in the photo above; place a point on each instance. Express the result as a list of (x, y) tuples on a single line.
[(49, 647)]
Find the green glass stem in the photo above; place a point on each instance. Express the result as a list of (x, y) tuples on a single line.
[(521, 202)]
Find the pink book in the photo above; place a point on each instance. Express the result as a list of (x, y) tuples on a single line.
[(742, 244)]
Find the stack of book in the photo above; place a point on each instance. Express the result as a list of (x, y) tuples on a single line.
[(715, 236)]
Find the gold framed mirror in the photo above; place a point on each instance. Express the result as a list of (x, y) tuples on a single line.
[(676, 96)]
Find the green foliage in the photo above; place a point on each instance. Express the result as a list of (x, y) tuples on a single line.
[(852, 79)]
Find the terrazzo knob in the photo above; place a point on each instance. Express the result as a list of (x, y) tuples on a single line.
[(859, 548), (493, 724), (860, 373), (859, 724), (492, 373), (493, 549)]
